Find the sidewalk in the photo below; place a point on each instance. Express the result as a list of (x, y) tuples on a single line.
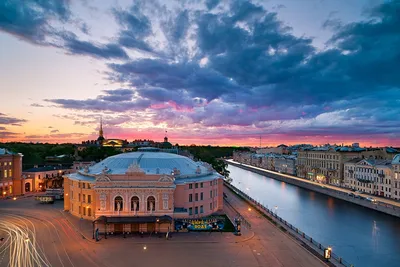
[(84, 228), (281, 250)]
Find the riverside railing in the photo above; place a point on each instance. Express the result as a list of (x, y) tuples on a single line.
[(338, 192), (292, 230)]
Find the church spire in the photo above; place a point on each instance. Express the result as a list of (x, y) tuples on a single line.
[(101, 127)]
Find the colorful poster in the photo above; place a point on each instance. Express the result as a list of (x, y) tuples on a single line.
[(204, 224)]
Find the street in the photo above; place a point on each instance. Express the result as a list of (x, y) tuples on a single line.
[(43, 235)]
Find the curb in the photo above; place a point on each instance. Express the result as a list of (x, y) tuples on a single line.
[(77, 230)]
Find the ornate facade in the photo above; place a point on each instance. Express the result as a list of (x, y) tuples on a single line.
[(137, 189)]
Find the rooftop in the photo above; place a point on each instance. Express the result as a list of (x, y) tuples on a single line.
[(149, 162), (46, 168)]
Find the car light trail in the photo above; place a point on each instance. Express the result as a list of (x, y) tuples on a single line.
[(21, 243)]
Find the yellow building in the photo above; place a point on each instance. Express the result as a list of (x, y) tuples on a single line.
[(143, 192)]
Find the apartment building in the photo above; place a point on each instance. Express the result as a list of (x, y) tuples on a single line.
[(371, 176), (11, 183)]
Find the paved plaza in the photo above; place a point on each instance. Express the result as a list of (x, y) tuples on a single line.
[(62, 240)]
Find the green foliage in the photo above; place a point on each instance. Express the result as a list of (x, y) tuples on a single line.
[(97, 153), (213, 156), (35, 154)]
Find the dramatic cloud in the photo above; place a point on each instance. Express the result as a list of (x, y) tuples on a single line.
[(30, 20), (231, 68), (4, 119), (115, 100)]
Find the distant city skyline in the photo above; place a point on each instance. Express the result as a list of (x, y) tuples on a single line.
[(209, 72)]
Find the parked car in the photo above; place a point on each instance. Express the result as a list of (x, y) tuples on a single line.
[(371, 199)]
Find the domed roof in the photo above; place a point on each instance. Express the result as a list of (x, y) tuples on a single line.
[(150, 163), (396, 159)]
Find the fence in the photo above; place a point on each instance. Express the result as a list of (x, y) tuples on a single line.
[(294, 231)]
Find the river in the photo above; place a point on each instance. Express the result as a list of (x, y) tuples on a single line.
[(359, 235)]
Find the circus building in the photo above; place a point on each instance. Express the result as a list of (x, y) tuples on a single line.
[(144, 191)]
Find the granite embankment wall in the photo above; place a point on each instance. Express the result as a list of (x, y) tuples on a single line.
[(379, 206)]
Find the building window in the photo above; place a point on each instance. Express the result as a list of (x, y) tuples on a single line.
[(201, 196), (201, 209), (211, 207), (118, 203), (83, 185), (210, 183), (89, 198), (5, 173), (190, 197), (88, 186), (134, 203), (210, 193), (84, 198), (79, 209), (151, 203), (10, 173), (196, 185), (165, 204), (190, 211), (84, 211), (197, 197), (79, 196), (190, 186), (196, 210), (201, 185), (89, 212)]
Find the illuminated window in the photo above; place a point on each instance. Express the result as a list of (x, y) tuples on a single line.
[(10, 173), (5, 173), (10, 163)]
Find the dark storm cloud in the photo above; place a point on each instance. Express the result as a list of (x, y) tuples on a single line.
[(190, 77), (75, 46), (118, 100), (135, 26), (30, 20), (210, 4)]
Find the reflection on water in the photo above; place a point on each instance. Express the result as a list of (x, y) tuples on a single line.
[(361, 236)]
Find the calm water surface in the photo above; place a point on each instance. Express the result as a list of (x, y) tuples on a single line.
[(361, 236)]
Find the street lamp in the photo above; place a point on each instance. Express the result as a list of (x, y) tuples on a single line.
[(249, 209), (327, 253)]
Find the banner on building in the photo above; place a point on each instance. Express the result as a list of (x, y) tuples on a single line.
[(201, 224)]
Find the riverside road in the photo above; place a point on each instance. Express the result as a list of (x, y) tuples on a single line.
[(360, 235)]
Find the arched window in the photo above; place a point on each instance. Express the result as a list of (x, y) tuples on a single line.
[(134, 204), (151, 203), (118, 203)]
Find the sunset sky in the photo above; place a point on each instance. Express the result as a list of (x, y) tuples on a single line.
[(208, 72)]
